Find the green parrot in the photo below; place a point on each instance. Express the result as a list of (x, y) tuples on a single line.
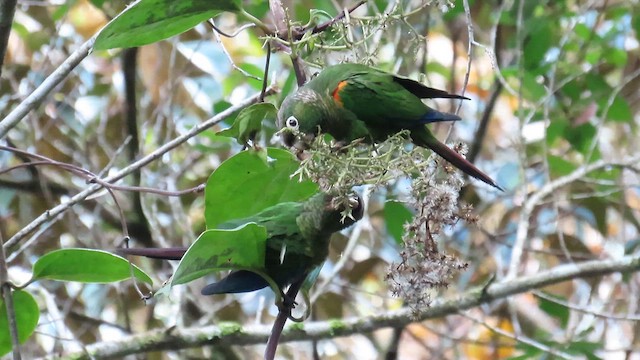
[(298, 236), (353, 101)]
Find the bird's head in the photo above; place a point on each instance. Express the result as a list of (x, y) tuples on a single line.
[(300, 118)]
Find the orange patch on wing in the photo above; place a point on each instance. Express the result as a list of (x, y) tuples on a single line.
[(336, 92)]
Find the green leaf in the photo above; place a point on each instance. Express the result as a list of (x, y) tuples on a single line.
[(149, 21), (586, 348), (395, 216), (556, 129), (240, 248), (245, 184), (85, 265), (619, 110), (540, 39), (249, 122), (558, 166), (554, 309), (598, 208), (583, 31), (615, 56), (532, 89), (254, 70), (26, 315), (580, 137)]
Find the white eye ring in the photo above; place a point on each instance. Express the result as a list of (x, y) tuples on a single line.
[(292, 122)]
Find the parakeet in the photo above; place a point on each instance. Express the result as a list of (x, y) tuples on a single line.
[(353, 101), (298, 241)]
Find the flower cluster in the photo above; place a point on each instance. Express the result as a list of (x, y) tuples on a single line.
[(423, 267)]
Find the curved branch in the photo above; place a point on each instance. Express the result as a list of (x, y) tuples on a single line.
[(53, 213), (235, 334), (548, 189)]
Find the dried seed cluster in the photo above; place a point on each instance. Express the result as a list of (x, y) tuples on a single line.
[(423, 266)]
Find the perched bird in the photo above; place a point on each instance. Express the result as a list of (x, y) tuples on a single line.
[(353, 101), (298, 241)]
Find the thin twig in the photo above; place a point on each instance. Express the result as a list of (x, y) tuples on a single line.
[(533, 201), (7, 295), (53, 213), (265, 77), (91, 177), (224, 50), (37, 96)]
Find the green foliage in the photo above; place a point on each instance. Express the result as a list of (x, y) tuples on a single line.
[(85, 265), (248, 123), (618, 111), (214, 250), (149, 21), (560, 312), (396, 215), (26, 314), (245, 184)]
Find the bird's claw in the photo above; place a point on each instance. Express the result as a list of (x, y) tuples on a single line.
[(287, 304)]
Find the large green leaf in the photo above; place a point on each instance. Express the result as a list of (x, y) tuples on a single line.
[(85, 265), (149, 21), (26, 315), (243, 247), (245, 184)]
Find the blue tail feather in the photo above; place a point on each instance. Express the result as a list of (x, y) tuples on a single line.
[(236, 282), (436, 116)]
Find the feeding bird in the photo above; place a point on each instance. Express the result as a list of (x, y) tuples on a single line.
[(298, 235), (354, 101)]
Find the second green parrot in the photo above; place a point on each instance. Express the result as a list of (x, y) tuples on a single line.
[(298, 236), (353, 101)]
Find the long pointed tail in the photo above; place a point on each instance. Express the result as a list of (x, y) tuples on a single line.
[(424, 138), (175, 253), (432, 116)]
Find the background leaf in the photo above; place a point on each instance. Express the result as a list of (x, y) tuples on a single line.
[(396, 215), (149, 21), (248, 123), (26, 315), (85, 265)]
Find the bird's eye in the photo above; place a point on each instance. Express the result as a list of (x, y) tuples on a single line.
[(292, 123)]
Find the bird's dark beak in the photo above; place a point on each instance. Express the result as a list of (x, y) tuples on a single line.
[(298, 141), (287, 137)]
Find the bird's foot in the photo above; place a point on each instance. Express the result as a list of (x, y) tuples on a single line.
[(287, 304), (301, 155)]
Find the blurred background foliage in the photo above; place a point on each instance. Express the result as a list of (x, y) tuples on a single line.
[(554, 86)]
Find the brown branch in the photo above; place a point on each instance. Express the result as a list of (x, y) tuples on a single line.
[(324, 26), (7, 10), (174, 339)]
